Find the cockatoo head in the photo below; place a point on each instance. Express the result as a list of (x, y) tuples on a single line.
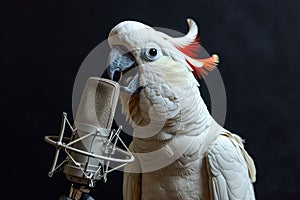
[(145, 56), (153, 63)]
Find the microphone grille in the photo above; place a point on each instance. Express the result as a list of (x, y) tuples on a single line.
[(98, 102)]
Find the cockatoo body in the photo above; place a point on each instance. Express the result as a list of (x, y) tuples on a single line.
[(181, 152)]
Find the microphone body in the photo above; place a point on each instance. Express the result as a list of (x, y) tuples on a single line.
[(95, 112), (92, 145)]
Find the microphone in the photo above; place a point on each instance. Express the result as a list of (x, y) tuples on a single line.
[(92, 145)]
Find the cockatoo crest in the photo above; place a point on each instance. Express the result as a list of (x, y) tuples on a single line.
[(189, 45)]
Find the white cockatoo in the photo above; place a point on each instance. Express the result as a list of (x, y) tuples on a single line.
[(180, 150)]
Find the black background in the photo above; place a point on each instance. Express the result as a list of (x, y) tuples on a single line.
[(43, 44)]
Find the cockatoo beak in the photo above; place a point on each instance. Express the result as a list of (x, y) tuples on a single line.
[(119, 60), (122, 61)]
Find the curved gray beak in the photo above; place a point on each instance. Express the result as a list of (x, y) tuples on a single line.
[(119, 60)]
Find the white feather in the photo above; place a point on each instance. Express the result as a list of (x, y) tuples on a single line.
[(228, 169)]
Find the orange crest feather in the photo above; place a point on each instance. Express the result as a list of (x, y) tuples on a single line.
[(200, 67), (208, 64)]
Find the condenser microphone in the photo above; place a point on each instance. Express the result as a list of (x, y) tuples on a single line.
[(95, 112), (92, 146)]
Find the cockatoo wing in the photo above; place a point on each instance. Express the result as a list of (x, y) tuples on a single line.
[(132, 184), (230, 168)]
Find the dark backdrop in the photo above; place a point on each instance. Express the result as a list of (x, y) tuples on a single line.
[(44, 42)]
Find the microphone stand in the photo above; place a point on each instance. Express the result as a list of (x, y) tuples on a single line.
[(77, 192)]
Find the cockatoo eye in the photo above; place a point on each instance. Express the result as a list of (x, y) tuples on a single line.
[(151, 52)]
